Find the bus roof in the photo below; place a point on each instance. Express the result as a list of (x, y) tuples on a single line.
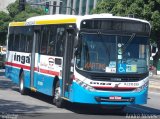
[(63, 19), (17, 24)]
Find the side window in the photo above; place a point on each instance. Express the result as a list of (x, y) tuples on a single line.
[(29, 39), (10, 38), (44, 42), (52, 40), (23, 39), (19, 34), (60, 40), (28, 44), (22, 43), (16, 42), (38, 41)]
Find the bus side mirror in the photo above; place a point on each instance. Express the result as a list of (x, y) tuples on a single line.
[(76, 52), (153, 49), (71, 29)]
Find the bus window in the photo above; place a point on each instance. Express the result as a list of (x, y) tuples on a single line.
[(29, 39), (22, 43), (16, 42), (38, 41), (11, 39), (56, 40), (44, 39), (60, 41), (52, 40)]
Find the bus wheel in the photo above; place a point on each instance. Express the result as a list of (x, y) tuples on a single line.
[(57, 100), (22, 89)]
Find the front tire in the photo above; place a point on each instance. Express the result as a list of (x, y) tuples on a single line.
[(57, 100), (22, 89)]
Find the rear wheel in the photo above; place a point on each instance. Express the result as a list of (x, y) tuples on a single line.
[(22, 89), (57, 100)]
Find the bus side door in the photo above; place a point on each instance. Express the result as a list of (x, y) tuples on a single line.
[(67, 65)]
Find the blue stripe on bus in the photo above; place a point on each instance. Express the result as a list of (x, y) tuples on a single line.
[(39, 79), (77, 93)]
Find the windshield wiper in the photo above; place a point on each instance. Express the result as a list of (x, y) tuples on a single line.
[(128, 42)]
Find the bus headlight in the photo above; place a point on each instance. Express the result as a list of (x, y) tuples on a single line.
[(84, 85), (141, 87)]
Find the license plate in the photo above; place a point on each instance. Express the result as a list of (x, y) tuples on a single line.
[(115, 98)]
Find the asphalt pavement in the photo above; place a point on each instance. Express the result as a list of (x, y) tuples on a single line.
[(13, 105)]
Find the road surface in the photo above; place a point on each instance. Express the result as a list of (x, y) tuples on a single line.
[(35, 105)]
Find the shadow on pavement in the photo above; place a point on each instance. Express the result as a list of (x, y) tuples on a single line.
[(149, 109), (16, 107), (100, 110), (19, 107), (7, 84), (93, 109)]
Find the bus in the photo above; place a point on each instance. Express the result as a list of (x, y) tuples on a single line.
[(96, 59)]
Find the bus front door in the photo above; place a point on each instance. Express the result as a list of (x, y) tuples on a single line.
[(67, 71)]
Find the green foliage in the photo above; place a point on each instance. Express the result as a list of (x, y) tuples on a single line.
[(29, 12), (143, 9), (15, 15), (155, 18), (4, 20), (13, 9), (104, 6)]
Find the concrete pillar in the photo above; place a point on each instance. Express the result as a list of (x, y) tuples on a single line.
[(74, 6), (57, 8), (80, 7), (94, 5), (50, 7), (87, 7), (68, 5)]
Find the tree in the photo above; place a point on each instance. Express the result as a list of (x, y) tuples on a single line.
[(4, 21), (15, 15), (144, 9)]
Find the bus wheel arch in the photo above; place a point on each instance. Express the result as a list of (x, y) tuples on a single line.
[(57, 100)]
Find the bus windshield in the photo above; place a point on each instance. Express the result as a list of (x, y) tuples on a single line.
[(112, 53)]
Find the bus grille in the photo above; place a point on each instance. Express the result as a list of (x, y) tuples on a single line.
[(115, 79)]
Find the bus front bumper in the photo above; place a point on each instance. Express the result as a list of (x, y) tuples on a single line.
[(79, 94)]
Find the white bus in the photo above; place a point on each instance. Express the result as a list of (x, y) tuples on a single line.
[(93, 59)]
